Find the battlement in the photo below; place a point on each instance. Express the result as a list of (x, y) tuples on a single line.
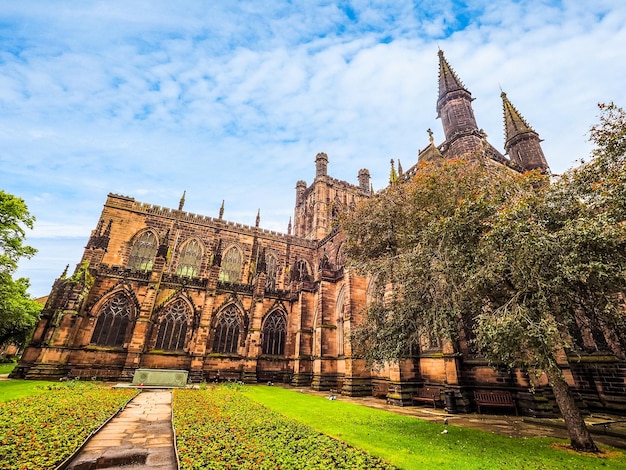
[(117, 201)]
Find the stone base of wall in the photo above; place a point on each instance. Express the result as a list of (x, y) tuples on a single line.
[(357, 387), (323, 382), (301, 379), (400, 393)]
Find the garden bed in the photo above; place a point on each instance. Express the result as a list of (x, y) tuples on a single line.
[(41, 431), (222, 428)]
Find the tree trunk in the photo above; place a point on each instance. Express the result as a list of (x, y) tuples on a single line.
[(579, 435)]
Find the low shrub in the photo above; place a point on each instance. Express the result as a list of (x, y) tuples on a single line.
[(40, 431), (221, 428)]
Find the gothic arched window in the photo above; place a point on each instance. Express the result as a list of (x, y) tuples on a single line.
[(274, 334), (227, 331), (113, 321), (231, 265), (190, 259), (143, 252), (271, 269), (301, 271), (173, 326)]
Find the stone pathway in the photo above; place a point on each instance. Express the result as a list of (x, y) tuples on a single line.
[(140, 437)]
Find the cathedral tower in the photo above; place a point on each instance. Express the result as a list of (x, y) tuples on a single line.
[(522, 143), (454, 107), (319, 205)]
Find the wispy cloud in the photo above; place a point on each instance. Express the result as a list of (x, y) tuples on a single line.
[(232, 100)]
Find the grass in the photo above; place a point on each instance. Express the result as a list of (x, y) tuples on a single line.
[(410, 443), (12, 389), (7, 367)]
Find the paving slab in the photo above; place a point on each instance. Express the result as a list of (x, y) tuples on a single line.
[(140, 437)]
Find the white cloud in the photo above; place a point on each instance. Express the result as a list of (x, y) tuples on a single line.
[(232, 100)]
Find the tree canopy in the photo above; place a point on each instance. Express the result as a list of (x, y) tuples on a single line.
[(524, 269), (18, 312)]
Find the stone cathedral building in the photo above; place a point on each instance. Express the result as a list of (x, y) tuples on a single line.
[(166, 289)]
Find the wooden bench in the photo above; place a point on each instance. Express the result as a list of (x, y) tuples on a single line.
[(428, 395), (494, 399)]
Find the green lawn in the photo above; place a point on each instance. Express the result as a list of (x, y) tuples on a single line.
[(6, 367), (411, 443), (11, 389)]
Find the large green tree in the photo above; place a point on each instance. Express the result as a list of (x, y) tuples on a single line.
[(18, 312), (521, 262)]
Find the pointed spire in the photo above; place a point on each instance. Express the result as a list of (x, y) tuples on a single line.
[(514, 123), (521, 141), (182, 201), (64, 274), (222, 210), (258, 218), (289, 227), (448, 79), (393, 176), (399, 168)]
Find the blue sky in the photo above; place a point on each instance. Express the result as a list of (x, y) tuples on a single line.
[(233, 99)]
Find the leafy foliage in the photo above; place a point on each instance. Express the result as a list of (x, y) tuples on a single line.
[(468, 247), (18, 312), (43, 430), (221, 428), (422, 237), (14, 216)]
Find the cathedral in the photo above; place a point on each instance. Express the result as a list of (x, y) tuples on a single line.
[(161, 288)]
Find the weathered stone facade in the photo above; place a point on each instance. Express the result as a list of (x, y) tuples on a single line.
[(163, 288)]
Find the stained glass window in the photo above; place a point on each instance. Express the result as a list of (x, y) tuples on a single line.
[(173, 327), (231, 266), (274, 333), (271, 264), (143, 252), (226, 338), (190, 259), (113, 321)]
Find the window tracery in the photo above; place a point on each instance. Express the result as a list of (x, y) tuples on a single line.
[(190, 259), (113, 321), (173, 326), (274, 334), (143, 252), (227, 331), (231, 265), (271, 268)]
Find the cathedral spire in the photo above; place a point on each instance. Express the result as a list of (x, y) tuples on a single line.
[(514, 123), (181, 204), (258, 218), (393, 176), (522, 143), (448, 79), (454, 107)]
